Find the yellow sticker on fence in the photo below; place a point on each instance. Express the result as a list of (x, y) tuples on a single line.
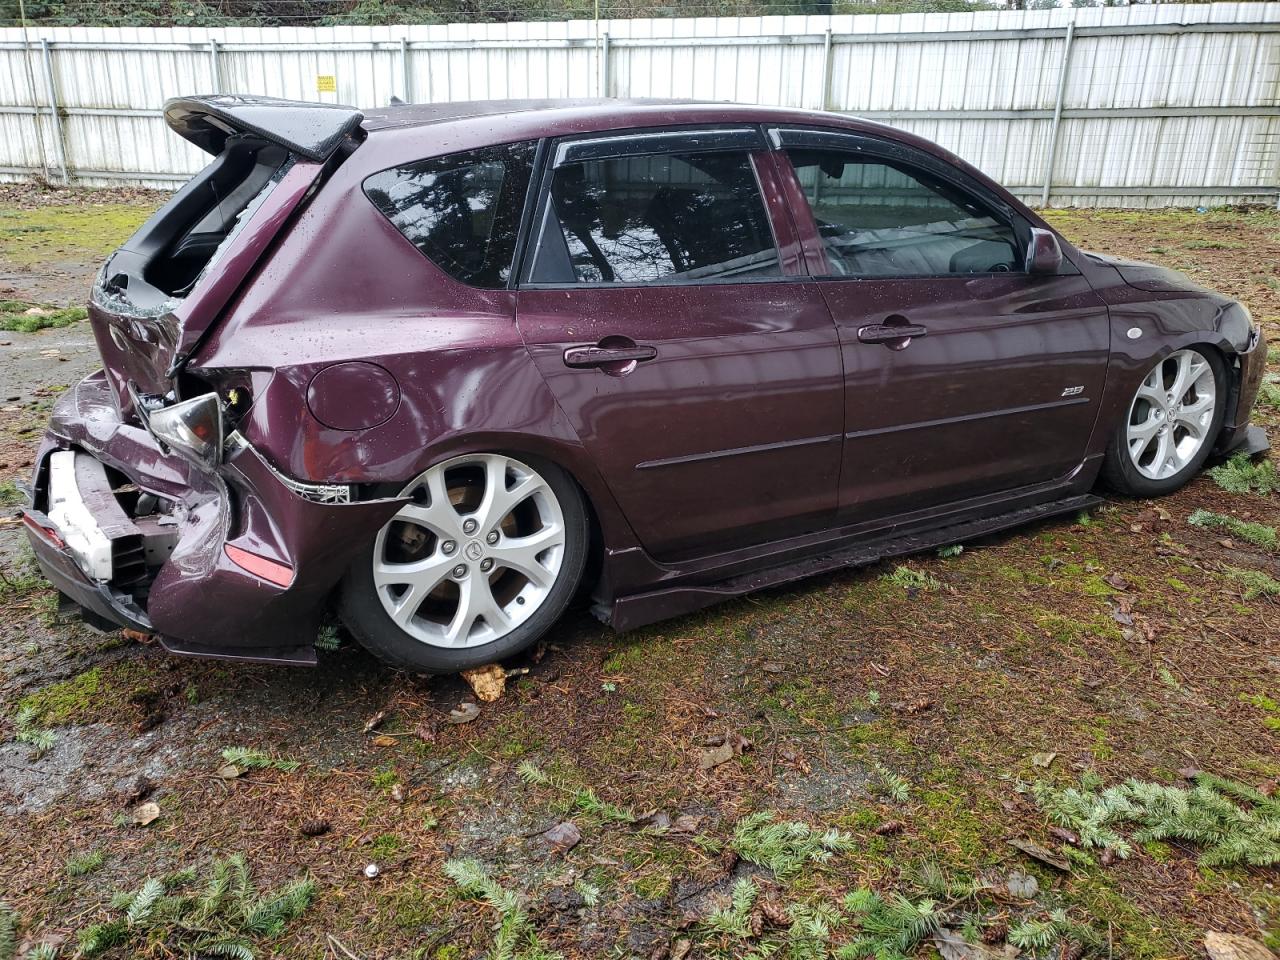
[(326, 83)]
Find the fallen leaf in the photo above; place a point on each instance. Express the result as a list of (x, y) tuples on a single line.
[(657, 820), (464, 712), (680, 949), (138, 636), (1116, 581), (1043, 854), (397, 792), (915, 706), (686, 823), (1108, 857), (384, 740), (1043, 759), (228, 771), (1232, 946), (145, 814), (563, 837), (489, 682), (952, 946), (427, 730), (1065, 835), (716, 756), (773, 667)]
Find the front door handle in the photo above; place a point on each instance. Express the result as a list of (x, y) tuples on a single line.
[(893, 335), (595, 355)]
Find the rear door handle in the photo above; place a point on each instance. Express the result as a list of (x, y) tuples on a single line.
[(891, 332), (597, 356)]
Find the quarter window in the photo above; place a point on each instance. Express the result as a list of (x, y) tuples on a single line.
[(877, 219), (691, 217), (462, 211)]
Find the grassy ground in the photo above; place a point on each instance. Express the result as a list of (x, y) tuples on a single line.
[(909, 710)]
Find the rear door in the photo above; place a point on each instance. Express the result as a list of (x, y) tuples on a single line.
[(663, 302), (964, 374)]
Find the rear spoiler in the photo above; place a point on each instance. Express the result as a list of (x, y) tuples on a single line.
[(311, 130)]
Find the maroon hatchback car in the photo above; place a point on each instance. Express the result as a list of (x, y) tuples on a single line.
[(450, 366)]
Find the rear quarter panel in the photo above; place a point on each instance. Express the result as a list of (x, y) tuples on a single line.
[(343, 284)]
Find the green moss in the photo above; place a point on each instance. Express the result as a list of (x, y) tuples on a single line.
[(14, 316), (61, 703), (88, 230), (1270, 709), (385, 846)]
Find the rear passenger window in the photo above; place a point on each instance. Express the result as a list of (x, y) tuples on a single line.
[(462, 211), (680, 217), (879, 220)]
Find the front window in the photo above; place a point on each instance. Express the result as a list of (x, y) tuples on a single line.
[(461, 211), (877, 219), (687, 217)]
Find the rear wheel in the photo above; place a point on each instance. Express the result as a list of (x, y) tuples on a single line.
[(476, 568), (1171, 425)]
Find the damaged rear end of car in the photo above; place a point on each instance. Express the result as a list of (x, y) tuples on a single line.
[(145, 500)]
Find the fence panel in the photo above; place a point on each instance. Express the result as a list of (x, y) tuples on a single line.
[(1135, 106)]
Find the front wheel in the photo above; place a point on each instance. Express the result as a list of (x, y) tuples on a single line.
[(476, 568), (1171, 425)]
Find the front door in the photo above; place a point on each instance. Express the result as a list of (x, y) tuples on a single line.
[(662, 302), (965, 375)]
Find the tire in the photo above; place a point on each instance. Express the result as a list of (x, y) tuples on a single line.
[(476, 569), (1164, 439)]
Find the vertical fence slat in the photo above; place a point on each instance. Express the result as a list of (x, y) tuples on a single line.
[(1051, 153), (51, 87)]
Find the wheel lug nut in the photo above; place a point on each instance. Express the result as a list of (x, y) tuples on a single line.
[(448, 547), (492, 537), (486, 565), (469, 526), (460, 571)]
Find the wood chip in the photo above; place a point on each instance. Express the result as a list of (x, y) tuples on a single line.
[(489, 682), (146, 814), (1231, 946), (716, 756)]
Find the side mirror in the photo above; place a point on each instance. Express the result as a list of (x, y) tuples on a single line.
[(1044, 256)]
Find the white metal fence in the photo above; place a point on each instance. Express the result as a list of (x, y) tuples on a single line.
[(1122, 106)]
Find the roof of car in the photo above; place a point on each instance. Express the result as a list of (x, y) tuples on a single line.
[(587, 112)]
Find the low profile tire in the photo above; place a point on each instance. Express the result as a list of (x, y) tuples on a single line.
[(477, 568), (1171, 425)]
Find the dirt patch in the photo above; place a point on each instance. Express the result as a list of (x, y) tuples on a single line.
[(905, 712)]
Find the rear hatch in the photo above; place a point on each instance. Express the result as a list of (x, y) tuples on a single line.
[(160, 293)]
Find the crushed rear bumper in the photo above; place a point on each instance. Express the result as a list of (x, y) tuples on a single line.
[(192, 594)]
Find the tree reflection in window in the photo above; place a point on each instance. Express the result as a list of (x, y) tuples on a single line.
[(877, 219), (692, 216), (462, 211)]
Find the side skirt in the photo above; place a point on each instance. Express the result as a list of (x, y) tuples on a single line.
[(638, 610)]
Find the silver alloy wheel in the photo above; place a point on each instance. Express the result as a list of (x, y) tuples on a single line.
[(1171, 414), (474, 555)]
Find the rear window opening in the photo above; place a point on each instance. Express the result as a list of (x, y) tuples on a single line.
[(163, 260)]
